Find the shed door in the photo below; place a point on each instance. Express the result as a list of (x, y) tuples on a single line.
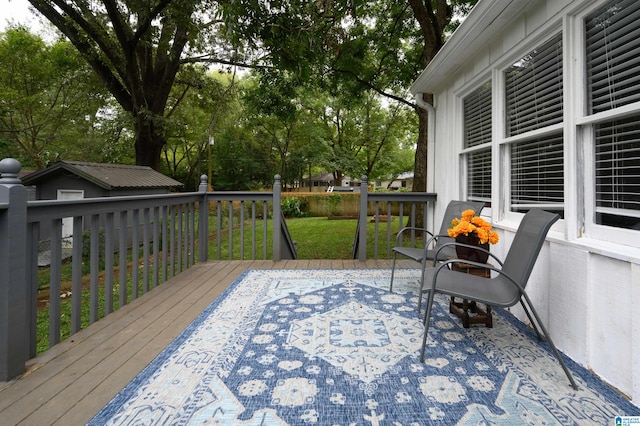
[(67, 222)]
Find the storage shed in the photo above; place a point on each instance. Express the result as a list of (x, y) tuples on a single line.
[(74, 179)]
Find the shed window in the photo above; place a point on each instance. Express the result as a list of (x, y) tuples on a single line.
[(477, 136)]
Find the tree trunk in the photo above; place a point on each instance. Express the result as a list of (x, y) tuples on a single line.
[(337, 175), (150, 141), (420, 164)]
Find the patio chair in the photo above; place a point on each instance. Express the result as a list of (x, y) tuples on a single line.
[(432, 243), (507, 287)]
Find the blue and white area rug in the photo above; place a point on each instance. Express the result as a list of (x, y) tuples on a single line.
[(335, 347)]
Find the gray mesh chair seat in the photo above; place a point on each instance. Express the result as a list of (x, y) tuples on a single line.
[(506, 287), (439, 243)]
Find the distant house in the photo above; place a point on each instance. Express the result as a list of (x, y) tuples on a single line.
[(404, 181), (323, 181)]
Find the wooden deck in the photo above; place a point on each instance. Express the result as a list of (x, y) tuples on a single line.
[(71, 382)]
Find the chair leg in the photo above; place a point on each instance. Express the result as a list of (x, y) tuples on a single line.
[(393, 270), (533, 323), (424, 264), (550, 342), (427, 319)]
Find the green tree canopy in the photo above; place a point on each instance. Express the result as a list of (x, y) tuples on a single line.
[(49, 98), (136, 49), (351, 46), (344, 48)]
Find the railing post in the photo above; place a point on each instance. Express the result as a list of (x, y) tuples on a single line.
[(362, 222), (203, 221), (277, 219), (14, 288)]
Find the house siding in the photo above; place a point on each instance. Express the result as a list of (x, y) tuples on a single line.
[(586, 286), (47, 189)]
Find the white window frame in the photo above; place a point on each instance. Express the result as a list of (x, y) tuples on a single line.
[(586, 148), (465, 151), (67, 222), (503, 144)]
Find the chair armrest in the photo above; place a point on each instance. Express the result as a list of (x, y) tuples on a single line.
[(412, 228), (446, 263)]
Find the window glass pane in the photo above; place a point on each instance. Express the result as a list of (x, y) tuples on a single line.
[(477, 131), (537, 174), (617, 167), (477, 116), (533, 89), (479, 175), (613, 55)]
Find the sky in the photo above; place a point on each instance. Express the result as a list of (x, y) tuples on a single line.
[(18, 11)]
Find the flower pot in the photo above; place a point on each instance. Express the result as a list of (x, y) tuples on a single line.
[(469, 253)]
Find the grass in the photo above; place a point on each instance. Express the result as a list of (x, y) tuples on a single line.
[(319, 238), (315, 238)]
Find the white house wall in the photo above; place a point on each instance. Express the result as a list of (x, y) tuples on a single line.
[(587, 291)]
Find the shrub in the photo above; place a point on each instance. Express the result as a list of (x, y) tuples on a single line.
[(86, 250), (333, 201), (294, 207)]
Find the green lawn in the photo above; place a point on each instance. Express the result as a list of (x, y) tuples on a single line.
[(320, 238)]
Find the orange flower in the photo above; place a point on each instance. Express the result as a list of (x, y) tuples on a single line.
[(469, 223), (483, 235), (493, 237), (467, 215)]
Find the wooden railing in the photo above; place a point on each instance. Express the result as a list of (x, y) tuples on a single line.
[(410, 208), (119, 248), (122, 247)]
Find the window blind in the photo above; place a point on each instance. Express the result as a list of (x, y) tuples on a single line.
[(613, 55), (537, 174), (479, 175), (477, 131), (617, 163), (477, 116), (533, 89)]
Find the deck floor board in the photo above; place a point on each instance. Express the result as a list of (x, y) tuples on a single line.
[(72, 381)]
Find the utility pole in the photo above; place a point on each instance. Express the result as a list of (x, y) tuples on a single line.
[(211, 142)]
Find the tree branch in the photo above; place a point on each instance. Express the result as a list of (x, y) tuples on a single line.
[(143, 26), (73, 25), (375, 88), (209, 60)]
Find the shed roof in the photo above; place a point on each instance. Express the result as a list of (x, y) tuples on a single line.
[(107, 176)]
